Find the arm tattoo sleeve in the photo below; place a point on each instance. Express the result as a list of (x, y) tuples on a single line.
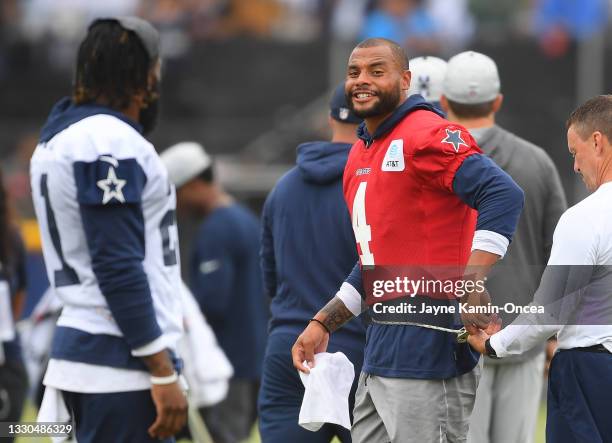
[(334, 314)]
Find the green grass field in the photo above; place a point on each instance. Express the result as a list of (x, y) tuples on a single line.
[(30, 415)]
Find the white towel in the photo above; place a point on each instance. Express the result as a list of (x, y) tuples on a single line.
[(207, 368), (326, 394), (53, 409), (36, 333), (7, 328)]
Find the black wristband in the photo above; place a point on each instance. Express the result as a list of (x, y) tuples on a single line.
[(489, 349), (321, 323)]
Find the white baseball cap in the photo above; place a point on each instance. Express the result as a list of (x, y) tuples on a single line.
[(471, 78), (185, 161), (427, 77)]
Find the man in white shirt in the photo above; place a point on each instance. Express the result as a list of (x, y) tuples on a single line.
[(106, 210), (575, 293)]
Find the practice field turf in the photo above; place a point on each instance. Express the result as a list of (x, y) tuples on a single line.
[(30, 415)]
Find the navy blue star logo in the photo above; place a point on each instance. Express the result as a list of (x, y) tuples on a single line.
[(454, 138)]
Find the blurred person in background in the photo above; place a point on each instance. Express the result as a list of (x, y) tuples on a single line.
[(60, 24), (67, 18), (253, 17), (404, 21), (9, 21), (225, 279), (172, 18), (208, 19), (106, 210), (347, 19), (427, 78), (497, 21), (308, 248), (17, 176), (453, 21), (559, 22), (508, 396), (301, 20), (13, 375)]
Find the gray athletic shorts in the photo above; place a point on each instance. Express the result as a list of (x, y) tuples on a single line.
[(402, 410)]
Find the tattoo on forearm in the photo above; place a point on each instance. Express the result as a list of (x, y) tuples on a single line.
[(334, 314)]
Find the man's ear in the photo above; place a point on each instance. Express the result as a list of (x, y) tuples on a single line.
[(444, 104), (154, 76), (139, 98), (497, 103), (598, 142), (155, 73), (406, 77)]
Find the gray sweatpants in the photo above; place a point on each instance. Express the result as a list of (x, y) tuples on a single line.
[(507, 402), (402, 410)]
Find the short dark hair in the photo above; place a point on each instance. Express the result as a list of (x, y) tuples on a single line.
[(476, 110), (112, 63), (207, 175), (399, 53), (593, 115)]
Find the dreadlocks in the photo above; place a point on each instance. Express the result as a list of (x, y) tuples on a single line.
[(112, 64)]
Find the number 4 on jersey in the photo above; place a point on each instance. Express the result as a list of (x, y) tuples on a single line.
[(363, 231)]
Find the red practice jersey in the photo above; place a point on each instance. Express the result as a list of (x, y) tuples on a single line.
[(399, 191)]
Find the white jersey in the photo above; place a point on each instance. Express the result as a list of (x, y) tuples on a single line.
[(582, 238), (102, 161)]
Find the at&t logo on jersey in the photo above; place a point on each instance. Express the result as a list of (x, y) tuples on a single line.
[(394, 158)]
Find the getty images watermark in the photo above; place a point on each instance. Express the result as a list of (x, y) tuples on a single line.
[(404, 286), (526, 294)]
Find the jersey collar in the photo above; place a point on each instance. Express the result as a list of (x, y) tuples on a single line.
[(65, 113), (412, 103)]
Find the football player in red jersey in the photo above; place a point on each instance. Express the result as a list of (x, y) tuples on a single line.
[(420, 194)]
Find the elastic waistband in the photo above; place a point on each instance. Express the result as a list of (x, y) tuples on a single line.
[(595, 348)]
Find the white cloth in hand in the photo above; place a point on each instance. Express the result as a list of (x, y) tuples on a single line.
[(326, 394), (53, 410)]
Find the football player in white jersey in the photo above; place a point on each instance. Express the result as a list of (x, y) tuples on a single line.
[(106, 211)]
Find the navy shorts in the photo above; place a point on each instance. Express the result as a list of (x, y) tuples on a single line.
[(281, 393), (119, 417), (579, 389)]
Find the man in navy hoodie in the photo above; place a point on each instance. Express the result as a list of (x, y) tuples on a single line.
[(308, 247), (422, 197)]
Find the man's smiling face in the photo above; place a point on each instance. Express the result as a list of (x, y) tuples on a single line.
[(375, 81)]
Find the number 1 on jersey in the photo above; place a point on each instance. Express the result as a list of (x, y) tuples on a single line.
[(65, 276), (363, 231)]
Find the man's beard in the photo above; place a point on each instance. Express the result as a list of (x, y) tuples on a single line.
[(149, 114), (387, 102)]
